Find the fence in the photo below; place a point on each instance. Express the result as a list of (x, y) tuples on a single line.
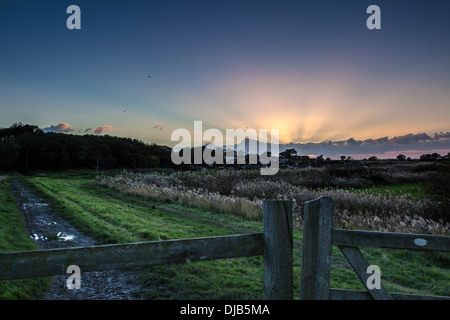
[(275, 243), (318, 238)]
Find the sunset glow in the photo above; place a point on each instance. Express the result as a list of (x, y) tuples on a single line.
[(312, 70)]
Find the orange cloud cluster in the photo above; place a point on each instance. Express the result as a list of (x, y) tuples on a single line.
[(100, 130), (66, 128), (59, 128)]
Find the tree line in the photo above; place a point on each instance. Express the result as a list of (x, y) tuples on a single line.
[(26, 147)]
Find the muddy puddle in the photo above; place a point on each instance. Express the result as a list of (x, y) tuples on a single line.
[(48, 230)]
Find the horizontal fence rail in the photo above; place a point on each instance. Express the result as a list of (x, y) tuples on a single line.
[(344, 294), (390, 240), (26, 264)]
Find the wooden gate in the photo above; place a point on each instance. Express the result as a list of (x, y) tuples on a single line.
[(318, 238)]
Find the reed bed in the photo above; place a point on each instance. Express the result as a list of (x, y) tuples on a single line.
[(241, 192)]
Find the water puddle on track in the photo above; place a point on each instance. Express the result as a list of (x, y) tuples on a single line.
[(48, 231)]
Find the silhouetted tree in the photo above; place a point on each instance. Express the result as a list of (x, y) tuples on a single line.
[(25, 147), (430, 157), (288, 153)]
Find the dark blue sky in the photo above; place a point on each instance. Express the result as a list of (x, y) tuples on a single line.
[(310, 68)]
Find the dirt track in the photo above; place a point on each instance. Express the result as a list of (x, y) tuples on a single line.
[(48, 230)]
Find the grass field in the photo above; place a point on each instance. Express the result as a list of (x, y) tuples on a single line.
[(111, 216)]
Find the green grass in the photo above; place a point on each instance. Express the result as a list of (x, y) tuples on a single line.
[(413, 190), (113, 217), (13, 237)]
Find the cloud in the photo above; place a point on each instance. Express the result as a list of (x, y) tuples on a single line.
[(59, 128), (158, 126), (411, 138), (100, 130), (409, 144)]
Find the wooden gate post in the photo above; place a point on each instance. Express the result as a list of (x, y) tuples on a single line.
[(278, 250), (316, 253)]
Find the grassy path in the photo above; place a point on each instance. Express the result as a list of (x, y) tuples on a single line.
[(13, 237)]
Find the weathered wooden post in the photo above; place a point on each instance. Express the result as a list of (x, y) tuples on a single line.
[(278, 250), (316, 253)]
